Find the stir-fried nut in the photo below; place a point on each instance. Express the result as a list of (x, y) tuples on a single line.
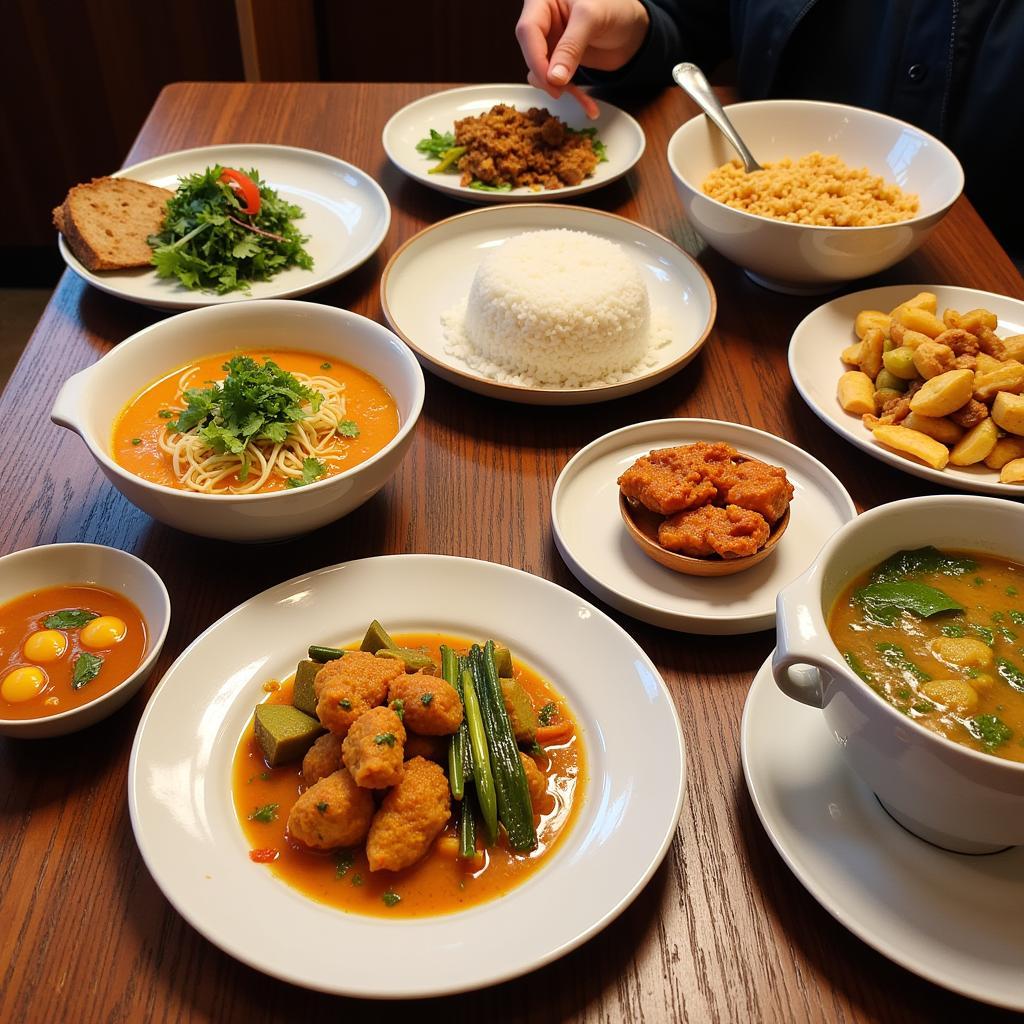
[(969, 415)]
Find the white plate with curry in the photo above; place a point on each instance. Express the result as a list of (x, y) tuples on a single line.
[(621, 136), (815, 366), (186, 819), (951, 918), (346, 216)]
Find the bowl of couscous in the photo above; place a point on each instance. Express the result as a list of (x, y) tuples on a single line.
[(844, 192)]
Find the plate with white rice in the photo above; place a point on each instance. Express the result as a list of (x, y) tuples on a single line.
[(548, 305)]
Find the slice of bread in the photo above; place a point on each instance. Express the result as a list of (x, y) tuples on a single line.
[(106, 223)]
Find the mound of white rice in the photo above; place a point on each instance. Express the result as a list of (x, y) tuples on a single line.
[(554, 308)]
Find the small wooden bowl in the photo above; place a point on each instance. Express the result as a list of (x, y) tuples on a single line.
[(643, 524)]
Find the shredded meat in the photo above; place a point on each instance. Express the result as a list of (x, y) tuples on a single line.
[(535, 149)]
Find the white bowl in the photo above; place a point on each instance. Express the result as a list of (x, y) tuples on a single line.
[(90, 401), (804, 258), (95, 565), (944, 792)]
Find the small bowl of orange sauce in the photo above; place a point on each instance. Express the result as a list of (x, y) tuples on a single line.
[(81, 626)]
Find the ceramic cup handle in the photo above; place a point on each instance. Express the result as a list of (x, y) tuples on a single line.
[(802, 647)]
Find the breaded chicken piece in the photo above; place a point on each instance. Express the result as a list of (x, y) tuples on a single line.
[(410, 818), (731, 532), (535, 781), (430, 705), (348, 687), (675, 479), (322, 759), (333, 812), (760, 488), (373, 750)]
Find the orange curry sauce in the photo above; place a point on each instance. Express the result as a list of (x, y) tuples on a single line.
[(135, 442), (25, 615), (440, 883)]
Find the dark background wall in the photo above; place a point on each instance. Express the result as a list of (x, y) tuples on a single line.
[(77, 77)]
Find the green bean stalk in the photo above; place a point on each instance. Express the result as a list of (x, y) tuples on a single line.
[(482, 777)]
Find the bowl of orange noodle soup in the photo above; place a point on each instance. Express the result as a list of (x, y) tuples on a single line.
[(252, 421)]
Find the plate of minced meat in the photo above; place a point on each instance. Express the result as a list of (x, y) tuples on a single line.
[(511, 143)]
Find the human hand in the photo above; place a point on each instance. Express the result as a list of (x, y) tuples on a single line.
[(557, 36)]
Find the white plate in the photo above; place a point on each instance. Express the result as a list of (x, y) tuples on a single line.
[(622, 136), (179, 788), (346, 218), (815, 367), (951, 918), (432, 272), (591, 537)]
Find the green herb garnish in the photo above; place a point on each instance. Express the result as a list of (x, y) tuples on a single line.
[(990, 730), (265, 814), (69, 618), (86, 667), (547, 713), (342, 862), (348, 428), (312, 469), (325, 366), (136, 440), (426, 698), (357, 879), (856, 667), (208, 243), (984, 632), (345, 704), (167, 414), (895, 657), (384, 737), (953, 629), (391, 898), (1010, 673), (322, 806)]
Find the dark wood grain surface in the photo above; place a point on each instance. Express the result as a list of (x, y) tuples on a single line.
[(724, 932)]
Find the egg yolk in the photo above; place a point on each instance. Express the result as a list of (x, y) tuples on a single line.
[(105, 631), (22, 684), (45, 645)]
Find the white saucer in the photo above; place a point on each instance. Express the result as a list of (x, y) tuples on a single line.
[(432, 273), (815, 367), (593, 541), (622, 135), (951, 918), (346, 218)]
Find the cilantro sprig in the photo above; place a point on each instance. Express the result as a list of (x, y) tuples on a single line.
[(208, 243), (255, 402)]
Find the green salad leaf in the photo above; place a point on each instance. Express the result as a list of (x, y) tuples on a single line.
[(256, 401), (208, 243)]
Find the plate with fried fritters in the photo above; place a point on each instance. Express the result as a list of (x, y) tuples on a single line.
[(595, 544), (520, 144)]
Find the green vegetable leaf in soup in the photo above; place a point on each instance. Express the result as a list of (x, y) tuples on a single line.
[(990, 730), (905, 596), (920, 561), (70, 618), (86, 667)]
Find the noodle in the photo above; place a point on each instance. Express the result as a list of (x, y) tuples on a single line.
[(198, 467)]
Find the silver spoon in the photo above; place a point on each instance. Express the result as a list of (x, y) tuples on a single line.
[(691, 80)]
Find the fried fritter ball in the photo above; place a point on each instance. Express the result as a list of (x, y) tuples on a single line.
[(322, 759), (348, 687), (410, 818), (535, 781), (430, 705), (675, 479), (730, 532), (333, 812), (433, 748), (373, 750), (760, 488)]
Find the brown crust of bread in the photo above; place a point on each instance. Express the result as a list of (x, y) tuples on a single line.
[(113, 238)]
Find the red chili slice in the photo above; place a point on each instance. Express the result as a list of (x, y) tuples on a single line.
[(264, 856), (246, 186)]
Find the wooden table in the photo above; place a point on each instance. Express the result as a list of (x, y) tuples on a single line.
[(724, 932)]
